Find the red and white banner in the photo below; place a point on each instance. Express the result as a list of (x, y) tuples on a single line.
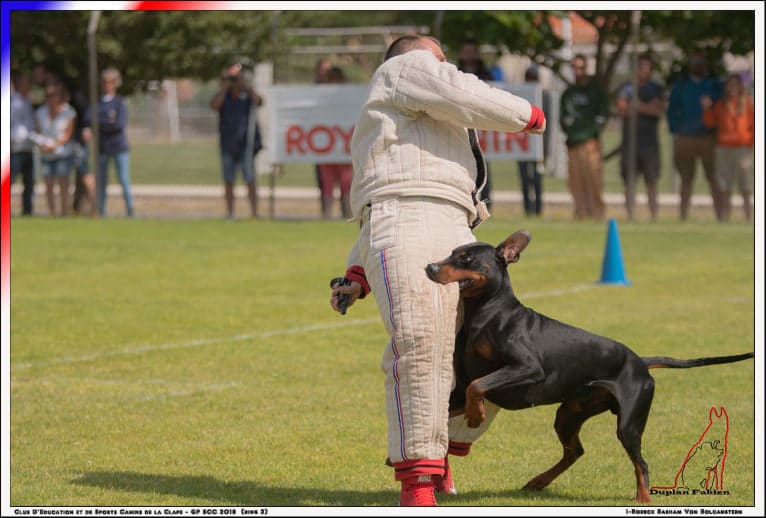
[(314, 123)]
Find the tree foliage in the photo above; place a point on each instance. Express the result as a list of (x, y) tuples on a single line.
[(143, 45), (530, 33), (526, 32), (712, 32), (153, 45)]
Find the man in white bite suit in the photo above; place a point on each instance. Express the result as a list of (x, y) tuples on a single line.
[(414, 193)]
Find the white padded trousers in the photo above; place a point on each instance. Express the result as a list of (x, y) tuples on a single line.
[(398, 238)]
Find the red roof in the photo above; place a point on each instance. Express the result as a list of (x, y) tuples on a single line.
[(582, 30)]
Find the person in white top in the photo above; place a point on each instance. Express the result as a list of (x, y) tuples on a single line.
[(414, 192), (55, 123), (22, 127)]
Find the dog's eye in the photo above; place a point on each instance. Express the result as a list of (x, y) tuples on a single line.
[(465, 259)]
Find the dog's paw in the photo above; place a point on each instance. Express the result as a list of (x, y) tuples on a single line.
[(536, 484), (474, 413)]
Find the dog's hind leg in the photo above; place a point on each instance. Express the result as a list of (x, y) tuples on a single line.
[(569, 419), (631, 421)]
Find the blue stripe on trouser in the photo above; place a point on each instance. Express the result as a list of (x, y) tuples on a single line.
[(396, 241), (395, 367)]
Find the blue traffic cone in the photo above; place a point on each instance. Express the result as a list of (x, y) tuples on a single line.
[(613, 269)]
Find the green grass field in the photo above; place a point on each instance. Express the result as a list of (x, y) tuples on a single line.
[(197, 362)]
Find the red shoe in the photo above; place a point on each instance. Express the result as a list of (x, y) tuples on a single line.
[(444, 483), (418, 492)]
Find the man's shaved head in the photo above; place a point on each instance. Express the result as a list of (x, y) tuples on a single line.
[(404, 44)]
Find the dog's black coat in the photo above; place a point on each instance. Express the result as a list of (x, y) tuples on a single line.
[(518, 358)]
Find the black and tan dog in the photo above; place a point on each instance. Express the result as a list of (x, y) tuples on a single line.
[(518, 358)]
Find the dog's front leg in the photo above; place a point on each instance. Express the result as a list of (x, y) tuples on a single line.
[(474, 412), (506, 377)]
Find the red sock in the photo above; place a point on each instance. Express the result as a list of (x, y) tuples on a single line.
[(415, 468), (459, 449)]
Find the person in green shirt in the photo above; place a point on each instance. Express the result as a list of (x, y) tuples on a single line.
[(584, 108)]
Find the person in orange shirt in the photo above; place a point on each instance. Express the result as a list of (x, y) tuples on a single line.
[(733, 116)]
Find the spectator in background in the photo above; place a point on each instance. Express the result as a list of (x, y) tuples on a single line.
[(234, 103), (584, 108), (22, 117), (55, 122), (113, 141), (322, 71), (496, 70), (84, 179), (321, 76), (650, 107), (733, 116), (691, 138), (332, 174), (470, 61), (41, 76), (531, 172), (335, 75)]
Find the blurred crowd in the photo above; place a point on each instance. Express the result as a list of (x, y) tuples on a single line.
[(51, 135), (711, 120)]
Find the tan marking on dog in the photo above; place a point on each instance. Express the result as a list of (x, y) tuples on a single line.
[(484, 350)]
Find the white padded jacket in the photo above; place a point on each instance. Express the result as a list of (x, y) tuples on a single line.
[(411, 138)]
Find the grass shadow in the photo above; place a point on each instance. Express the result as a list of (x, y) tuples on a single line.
[(546, 497), (246, 493), (250, 493)]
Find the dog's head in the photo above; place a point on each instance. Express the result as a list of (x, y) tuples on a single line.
[(479, 268)]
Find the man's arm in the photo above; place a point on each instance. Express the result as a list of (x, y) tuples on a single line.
[(355, 271), (217, 101), (602, 108), (709, 112), (257, 99), (567, 116), (655, 106), (424, 84), (675, 108), (622, 103), (358, 288)]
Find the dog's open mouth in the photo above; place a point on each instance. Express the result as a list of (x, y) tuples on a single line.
[(471, 285), (467, 280)]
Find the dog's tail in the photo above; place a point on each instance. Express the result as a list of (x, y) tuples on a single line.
[(656, 362)]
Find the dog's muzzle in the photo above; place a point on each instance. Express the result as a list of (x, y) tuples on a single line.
[(432, 270)]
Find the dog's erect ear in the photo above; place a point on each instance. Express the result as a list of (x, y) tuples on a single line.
[(510, 249)]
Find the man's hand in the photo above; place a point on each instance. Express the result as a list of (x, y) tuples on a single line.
[(49, 146), (257, 99), (353, 290), (536, 123), (538, 130), (623, 107)]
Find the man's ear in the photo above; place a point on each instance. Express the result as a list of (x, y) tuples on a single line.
[(510, 249)]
